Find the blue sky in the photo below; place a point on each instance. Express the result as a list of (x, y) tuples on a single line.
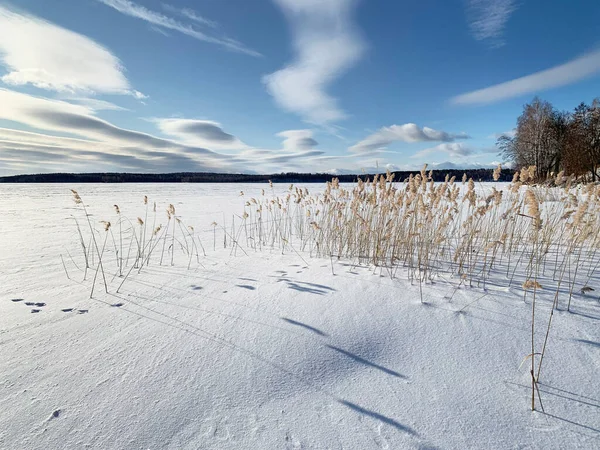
[(281, 85)]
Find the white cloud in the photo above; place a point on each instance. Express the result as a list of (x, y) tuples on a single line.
[(139, 95), (199, 132), (326, 45), (298, 140), (562, 75), (487, 19), (49, 57), (453, 149), (409, 132), (132, 9)]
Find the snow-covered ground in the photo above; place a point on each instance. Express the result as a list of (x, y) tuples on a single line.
[(268, 350)]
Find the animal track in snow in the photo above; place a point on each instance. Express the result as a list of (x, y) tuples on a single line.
[(38, 304)]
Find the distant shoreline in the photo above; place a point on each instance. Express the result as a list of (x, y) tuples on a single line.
[(202, 177)]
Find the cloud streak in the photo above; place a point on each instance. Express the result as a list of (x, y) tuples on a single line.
[(79, 120), (326, 45), (94, 144), (568, 73), (157, 19), (487, 19), (95, 104), (409, 132), (190, 14)]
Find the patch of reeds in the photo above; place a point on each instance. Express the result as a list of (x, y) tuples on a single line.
[(516, 234)]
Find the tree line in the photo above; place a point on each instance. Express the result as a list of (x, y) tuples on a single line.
[(203, 177), (556, 141)]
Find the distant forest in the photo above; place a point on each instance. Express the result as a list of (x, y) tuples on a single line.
[(199, 177)]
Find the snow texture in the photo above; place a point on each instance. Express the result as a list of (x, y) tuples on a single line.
[(266, 351)]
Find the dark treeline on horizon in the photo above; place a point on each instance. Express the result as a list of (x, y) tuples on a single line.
[(202, 177)]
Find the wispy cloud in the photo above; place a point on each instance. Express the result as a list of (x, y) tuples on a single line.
[(453, 149), (487, 19), (409, 132), (95, 104), (191, 14), (326, 45), (158, 19), (298, 153), (562, 75), (44, 55)]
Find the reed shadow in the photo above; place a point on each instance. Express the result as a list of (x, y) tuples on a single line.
[(597, 400), (366, 362), (303, 325), (375, 415), (311, 288), (246, 286), (587, 316), (571, 422), (566, 395), (592, 343)]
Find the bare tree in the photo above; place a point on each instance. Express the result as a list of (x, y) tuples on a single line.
[(536, 141), (552, 140), (584, 140)]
